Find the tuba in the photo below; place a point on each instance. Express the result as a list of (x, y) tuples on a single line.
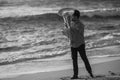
[(66, 14)]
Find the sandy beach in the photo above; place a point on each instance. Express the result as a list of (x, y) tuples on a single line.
[(101, 68)]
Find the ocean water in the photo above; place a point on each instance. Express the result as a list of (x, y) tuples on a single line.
[(31, 39)]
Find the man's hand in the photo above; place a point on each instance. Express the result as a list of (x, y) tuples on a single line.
[(65, 24)]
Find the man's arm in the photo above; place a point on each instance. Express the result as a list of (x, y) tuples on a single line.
[(80, 26)]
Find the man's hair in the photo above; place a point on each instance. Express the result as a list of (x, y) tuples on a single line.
[(76, 13)]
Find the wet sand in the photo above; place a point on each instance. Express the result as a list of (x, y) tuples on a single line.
[(109, 68)]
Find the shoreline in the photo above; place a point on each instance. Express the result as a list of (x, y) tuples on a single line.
[(101, 68)]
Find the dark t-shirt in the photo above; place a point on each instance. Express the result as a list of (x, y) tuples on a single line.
[(75, 33)]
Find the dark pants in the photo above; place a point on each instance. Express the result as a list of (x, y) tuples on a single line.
[(81, 50)]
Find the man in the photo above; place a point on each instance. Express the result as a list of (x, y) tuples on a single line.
[(75, 32)]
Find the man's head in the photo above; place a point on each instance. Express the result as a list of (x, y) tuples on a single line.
[(76, 14)]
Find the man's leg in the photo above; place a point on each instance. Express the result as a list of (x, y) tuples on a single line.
[(85, 59), (75, 62)]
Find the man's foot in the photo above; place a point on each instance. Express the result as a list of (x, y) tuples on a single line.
[(91, 75), (74, 77)]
